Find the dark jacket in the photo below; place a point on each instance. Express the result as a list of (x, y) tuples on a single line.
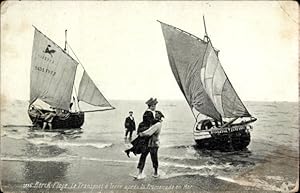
[(148, 119), (140, 144), (130, 124)]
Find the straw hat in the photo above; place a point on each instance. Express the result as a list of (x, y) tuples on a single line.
[(151, 101)]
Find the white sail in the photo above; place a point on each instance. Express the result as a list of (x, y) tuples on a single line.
[(219, 88), (89, 93), (52, 73)]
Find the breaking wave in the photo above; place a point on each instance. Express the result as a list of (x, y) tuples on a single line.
[(69, 144)]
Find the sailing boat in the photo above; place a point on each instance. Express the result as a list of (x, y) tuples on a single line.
[(52, 86), (222, 120)]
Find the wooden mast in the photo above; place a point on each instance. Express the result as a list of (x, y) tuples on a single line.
[(206, 35), (74, 98), (65, 40), (77, 101)]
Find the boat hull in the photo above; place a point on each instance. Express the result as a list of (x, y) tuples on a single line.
[(71, 120), (227, 139)]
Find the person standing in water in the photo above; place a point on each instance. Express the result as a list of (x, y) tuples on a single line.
[(152, 147), (129, 125), (148, 120)]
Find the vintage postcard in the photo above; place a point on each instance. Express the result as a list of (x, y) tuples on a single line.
[(149, 96)]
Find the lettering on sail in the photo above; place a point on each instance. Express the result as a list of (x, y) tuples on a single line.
[(47, 59), (45, 70)]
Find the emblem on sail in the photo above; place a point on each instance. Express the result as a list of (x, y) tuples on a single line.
[(55, 84), (49, 51), (55, 90)]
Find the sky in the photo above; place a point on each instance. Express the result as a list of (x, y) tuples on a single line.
[(122, 48)]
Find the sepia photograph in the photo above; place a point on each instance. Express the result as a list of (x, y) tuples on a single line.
[(149, 96)]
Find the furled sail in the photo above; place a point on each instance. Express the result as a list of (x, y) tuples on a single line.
[(89, 93), (200, 76), (52, 73)]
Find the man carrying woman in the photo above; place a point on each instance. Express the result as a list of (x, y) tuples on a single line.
[(148, 138)]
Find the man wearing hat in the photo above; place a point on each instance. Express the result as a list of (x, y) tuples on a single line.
[(153, 132), (149, 114), (129, 125), (148, 121)]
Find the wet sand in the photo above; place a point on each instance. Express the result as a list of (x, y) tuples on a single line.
[(109, 176)]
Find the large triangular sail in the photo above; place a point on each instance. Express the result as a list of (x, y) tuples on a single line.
[(89, 93), (219, 88), (186, 53), (52, 73), (200, 76)]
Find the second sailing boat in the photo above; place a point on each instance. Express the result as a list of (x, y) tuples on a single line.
[(52, 90), (222, 120)]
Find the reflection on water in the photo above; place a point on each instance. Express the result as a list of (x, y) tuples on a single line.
[(45, 172), (43, 151), (34, 168), (37, 173), (68, 133), (243, 158)]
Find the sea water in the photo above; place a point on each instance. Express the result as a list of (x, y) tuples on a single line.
[(270, 162)]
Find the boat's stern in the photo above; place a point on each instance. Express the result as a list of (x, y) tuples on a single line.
[(215, 137)]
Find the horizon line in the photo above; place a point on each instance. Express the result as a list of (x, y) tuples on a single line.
[(163, 99)]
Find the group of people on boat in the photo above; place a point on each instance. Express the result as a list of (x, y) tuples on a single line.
[(147, 140), (48, 116), (208, 124)]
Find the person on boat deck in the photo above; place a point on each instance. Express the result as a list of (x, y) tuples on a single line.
[(61, 112), (217, 123), (206, 124), (129, 125), (70, 106), (48, 118)]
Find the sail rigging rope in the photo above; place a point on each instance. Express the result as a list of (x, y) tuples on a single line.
[(81, 66), (76, 56), (86, 73)]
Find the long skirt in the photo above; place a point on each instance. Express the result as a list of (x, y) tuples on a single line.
[(140, 145)]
